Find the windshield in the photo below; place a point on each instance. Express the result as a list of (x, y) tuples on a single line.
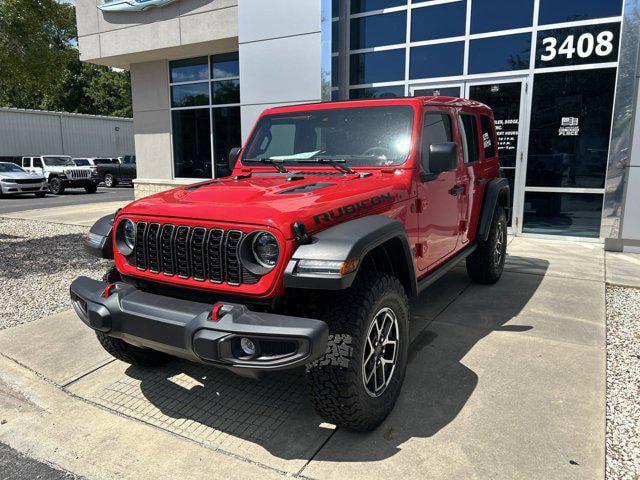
[(367, 136), (9, 167), (82, 163), (59, 161)]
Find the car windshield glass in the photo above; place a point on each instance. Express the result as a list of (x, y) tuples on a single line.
[(82, 163), (363, 136), (9, 167), (59, 162)]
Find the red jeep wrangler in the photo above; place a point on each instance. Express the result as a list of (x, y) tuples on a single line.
[(334, 215)]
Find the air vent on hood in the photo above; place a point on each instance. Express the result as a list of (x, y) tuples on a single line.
[(310, 187)]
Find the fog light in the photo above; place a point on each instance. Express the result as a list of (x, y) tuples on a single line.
[(248, 347)]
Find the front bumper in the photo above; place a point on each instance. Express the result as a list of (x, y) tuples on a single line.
[(186, 329), (79, 182), (23, 188)]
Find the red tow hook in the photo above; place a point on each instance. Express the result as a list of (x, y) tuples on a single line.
[(215, 312), (108, 290)]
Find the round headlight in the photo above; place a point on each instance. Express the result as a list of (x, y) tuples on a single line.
[(126, 237), (265, 249), (129, 233)]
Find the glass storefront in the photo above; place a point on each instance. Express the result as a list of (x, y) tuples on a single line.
[(205, 114), (548, 69)]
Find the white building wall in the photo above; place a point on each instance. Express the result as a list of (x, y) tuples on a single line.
[(280, 55), (24, 132)]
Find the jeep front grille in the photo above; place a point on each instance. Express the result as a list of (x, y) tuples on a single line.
[(75, 174), (191, 252)]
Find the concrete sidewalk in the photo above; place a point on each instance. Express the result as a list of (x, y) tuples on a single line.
[(504, 381)]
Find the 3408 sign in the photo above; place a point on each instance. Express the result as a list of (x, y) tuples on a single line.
[(578, 45)]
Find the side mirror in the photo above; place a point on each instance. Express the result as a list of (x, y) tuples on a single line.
[(233, 157), (443, 157)]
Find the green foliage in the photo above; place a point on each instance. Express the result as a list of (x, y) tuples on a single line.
[(40, 66)]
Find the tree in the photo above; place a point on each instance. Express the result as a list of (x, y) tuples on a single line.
[(40, 66)]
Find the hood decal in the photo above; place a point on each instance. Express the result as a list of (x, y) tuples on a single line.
[(337, 213)]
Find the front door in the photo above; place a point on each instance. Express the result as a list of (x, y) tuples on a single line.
[(439, 212)]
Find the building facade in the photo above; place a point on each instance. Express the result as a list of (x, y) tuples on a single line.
[(37, 132), (561, 76)]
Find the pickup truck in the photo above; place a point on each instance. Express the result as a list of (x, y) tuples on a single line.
[(112, 171), (334, 216)]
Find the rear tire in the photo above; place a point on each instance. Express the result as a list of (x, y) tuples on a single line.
[(486, 264), (110, 181), (93, 188), (55, 186), (341, 382), (129, 354)]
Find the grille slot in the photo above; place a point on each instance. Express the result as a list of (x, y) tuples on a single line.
[(233, 267), (182, 253), (191, 252), (153, 247), (140, 254), (214, 255), (166, 250), (198, 260)]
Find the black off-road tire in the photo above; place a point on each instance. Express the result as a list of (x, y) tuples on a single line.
[(335, 380), (486, 264), (130, 354), (55, 186), (110, 181), (93, 188)]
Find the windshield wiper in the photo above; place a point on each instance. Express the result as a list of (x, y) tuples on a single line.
[(277, 164), (334, 162)]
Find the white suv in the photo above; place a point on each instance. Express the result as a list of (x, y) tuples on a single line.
[(61, 173)]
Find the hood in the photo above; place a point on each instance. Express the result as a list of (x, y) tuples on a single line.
[(272, 200), (21, 175)]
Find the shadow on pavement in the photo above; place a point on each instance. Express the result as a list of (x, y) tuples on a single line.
[(437, 387)]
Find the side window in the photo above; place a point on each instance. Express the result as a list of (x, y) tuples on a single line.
[(37, 163), (436, 129), (469, 133), (488, 137), (26, 162)]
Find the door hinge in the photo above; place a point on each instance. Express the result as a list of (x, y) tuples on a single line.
[(515, 220), (419, 205), (462, 226), (526, 87), (419, 249)]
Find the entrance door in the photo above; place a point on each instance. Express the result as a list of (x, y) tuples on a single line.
[(507, 98)]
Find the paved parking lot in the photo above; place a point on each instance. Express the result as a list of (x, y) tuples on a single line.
[(72, 197), (503, 382)]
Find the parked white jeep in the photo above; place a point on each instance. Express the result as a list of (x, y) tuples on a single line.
[(61, 173)]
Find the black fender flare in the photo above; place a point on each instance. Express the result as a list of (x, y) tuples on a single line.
[(497, 190), (99, 242), (349, 240)]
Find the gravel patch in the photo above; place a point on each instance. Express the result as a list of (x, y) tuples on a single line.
[(38, 263), (623, 383)]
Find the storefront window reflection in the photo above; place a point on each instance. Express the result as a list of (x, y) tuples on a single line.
[(570, 128)]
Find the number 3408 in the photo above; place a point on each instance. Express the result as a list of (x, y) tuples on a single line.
[(585, 46)]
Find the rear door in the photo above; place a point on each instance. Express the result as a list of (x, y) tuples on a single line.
[(438, 210)]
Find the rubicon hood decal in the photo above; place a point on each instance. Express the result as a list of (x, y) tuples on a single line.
[(367, 204), (132, 5)]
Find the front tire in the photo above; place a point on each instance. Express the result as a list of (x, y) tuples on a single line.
[(356, 383), (55, 186), (110, 181), (486, 264), (129, 354)]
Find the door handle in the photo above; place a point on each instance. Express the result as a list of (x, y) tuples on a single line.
[(458, 189)]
